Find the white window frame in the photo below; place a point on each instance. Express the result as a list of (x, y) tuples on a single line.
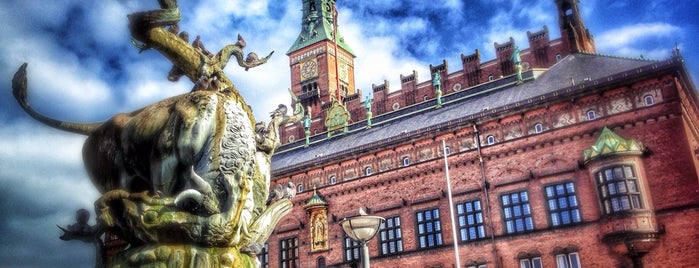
[(534, 262), (570, 260), (646, 99), (538, 128), (406, 161), (490, 140), (299, 188), (333, 179), (367, 170), (591, 114)]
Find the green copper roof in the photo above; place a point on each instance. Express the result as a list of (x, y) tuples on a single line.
[(609, 143), (316, 200), (317, 25)]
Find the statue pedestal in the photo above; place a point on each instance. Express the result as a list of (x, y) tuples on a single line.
[(182, 256)]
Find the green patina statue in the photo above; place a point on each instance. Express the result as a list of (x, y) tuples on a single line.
[(367, 106), (517, 60), (185, 181), (437, 84)]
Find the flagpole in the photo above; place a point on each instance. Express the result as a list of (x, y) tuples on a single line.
[(451, 207)]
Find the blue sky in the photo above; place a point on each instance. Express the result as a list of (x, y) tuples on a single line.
[(82, 67)]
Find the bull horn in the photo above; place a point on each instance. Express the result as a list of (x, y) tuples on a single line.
[(189, 194), (199, 182)]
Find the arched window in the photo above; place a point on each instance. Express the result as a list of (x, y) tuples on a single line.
[(591, 115), (333, 179), (648, 100), (299, 188), (321, 262), (367, 170), (538, 128), (424, 98), (490, 77), (558, 57), (447, 150), (490, 140), (406, 161)]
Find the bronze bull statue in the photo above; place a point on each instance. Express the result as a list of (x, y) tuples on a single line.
[(187, 173)]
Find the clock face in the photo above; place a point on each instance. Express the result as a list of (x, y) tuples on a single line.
[(309, 69)]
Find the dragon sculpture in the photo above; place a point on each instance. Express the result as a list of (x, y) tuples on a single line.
[(184, 181)]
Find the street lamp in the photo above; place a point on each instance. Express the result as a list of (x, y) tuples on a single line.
[(361, 229)]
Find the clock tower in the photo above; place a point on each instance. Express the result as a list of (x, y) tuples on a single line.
[(321, 63)]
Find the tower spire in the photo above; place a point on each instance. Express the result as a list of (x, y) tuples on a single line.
[(573, 32), (318, 24)]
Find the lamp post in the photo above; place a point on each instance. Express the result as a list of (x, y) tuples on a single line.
[(362, 228)]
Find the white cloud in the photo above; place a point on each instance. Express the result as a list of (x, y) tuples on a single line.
[(630, 34)]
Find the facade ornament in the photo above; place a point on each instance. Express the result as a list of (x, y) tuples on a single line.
[(337, 118), (317, 210)]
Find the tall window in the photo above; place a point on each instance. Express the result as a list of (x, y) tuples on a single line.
[(390, 236), (517, 213), (263, 257), (299, 188), (351, 249), (333, 179), (429, 229), (530, 263), (570, 260), (562, 204), (618, 189), (289, 252), (367, 170), (471, 225)]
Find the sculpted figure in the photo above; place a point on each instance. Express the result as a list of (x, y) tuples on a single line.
[(184, 180)]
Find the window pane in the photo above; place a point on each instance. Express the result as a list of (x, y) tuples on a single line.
[(632, 186), (574, 260), (628, 171), (561, 261), (536, 262)]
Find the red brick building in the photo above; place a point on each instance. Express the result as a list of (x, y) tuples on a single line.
[(585, 161)]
